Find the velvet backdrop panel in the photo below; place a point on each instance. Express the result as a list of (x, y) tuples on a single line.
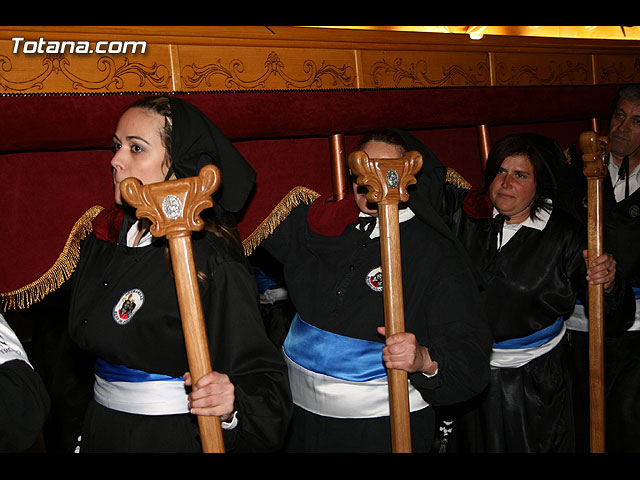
[(45, 194), (54, 150), (283, 164)]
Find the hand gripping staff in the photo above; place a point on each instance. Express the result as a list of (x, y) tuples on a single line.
[(387, 180), (594, 150), (173, 208)]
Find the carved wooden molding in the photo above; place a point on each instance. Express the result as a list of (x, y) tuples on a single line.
[(193, 76), (281, 58), (543, 72), (619, 70), (112, 72), (421, 74)]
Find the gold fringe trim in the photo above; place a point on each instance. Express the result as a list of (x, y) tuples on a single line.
[(302, 194), (567, 154), (61, 270), (457, 180), (295, 197)]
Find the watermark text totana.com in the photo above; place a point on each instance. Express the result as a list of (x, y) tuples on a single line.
[(21, 45)]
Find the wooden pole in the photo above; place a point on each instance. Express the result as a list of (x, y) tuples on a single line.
[(387, 180), (339, 176), (173, 208), (484, 143), (594, 170)]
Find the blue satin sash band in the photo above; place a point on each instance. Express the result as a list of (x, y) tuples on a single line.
[(535, 339), (333, 387), (134, 391), (335, 355), (119, 373), (519, 352)]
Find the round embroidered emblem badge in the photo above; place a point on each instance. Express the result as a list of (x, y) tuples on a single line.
[(374, 279), (127, 306)]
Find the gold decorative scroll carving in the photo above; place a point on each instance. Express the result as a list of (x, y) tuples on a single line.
[(618, 69), (274, 74), (70, 73), (513, 69), (429, 72), (237, 58)]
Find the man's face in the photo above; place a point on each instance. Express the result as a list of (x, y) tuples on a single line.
[(624, 131)]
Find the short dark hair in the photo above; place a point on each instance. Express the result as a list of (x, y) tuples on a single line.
[(387, 136), (541, 151), (629, 92)]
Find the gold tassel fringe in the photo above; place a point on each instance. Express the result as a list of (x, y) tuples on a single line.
[(457, 180), (66, 263), (61, 270), (302, 194), (295, 197)]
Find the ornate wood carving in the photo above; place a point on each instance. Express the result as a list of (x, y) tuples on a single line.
[(252, 58), (173, 206), (421, 74), (595, 151), (542, 70), (193, 76), (386, 179), (618, 69), (112, 71)]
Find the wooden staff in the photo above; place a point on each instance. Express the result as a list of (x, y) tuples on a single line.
[(387, 180), (339, 176), (173, 208), (594, 170)]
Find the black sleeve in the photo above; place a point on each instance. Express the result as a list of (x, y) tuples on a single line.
[(458, 338), (241, 349), (279, 242), (24, 405)]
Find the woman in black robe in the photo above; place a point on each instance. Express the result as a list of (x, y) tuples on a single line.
[(335, 348), (531, 259), (124, 307)]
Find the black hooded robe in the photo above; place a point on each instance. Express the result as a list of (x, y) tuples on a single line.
[(329, 267), (529, 285), (124, 309)]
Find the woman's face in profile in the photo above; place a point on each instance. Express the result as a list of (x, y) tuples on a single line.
[(139, 150)]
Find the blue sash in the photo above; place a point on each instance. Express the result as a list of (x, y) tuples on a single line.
[(119, 373), (535, 339), (335, 355)]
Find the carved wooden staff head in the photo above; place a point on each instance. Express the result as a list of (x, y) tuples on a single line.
[(595, 150), (173, 206), (387, 179)]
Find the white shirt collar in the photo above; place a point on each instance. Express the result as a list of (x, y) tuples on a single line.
[(619, 185), (539, 223), (146, 239), (404, 214)]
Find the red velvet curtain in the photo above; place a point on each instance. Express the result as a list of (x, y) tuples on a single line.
[(55, 149)]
